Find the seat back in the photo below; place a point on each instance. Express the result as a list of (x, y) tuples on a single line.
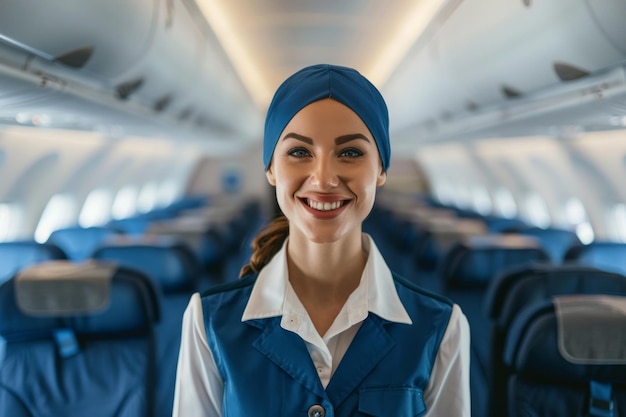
[(175, 270), (77, 340), (568, 358), (556, 242), (604, 255), (79, 242), (171, 264), (473, 262), (467, 269), (510, 294), (19, 254)]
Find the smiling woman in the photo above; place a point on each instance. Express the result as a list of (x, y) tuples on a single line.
[(325, 166), (318, 314), (511, 123)]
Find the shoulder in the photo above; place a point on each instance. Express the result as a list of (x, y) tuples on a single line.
[(232, 296), (246, 282), (423, 305)]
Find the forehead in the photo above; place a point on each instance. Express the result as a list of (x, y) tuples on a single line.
[(326, 116)]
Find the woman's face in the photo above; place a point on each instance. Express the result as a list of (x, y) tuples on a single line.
[(326, 168)]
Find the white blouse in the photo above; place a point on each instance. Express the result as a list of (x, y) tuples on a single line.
[(199, 387)]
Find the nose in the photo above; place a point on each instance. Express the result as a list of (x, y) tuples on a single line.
[(324, 174)]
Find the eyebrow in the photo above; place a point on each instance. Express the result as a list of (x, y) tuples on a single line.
[(339, 140)]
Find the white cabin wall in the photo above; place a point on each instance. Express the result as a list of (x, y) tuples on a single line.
[(454, 176), (586, 170), (38, 164), (406, 175), (606, 154)]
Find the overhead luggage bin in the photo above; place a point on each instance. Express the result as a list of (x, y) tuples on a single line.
[(118, 32), (463, 68), (147, 64)]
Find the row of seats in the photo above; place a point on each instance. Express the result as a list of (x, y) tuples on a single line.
[(470, 259), (165, 263), (525, 297), (565, 358), (78, 340)]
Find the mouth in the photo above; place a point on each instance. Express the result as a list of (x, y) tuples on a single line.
[(324, 206)]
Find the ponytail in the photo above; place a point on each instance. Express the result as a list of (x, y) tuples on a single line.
[(266, 244)]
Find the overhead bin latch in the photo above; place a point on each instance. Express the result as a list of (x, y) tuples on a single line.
[(77, 58)]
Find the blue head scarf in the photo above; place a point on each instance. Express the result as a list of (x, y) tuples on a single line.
[(317, 82)]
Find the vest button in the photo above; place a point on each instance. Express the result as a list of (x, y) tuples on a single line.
[(316, 410)]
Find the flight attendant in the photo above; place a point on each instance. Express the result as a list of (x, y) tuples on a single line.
[(318, 325)]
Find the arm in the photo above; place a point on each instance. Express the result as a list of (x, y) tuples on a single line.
[(448, 392), (199, 386)]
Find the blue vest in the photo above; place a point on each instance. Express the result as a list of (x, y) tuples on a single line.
[(268, 372)]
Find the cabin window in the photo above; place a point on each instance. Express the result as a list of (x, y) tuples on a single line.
[(10, 219), (463, 196), (536, 211), (147, 198), (481, 200), (504, 203), (59, 212), (444, 192), (168, 193), (576, 216), (617, 222), (96, 210), (125, 202)]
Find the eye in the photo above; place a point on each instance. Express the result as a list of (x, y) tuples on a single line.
[(298, 152), (351, 153)]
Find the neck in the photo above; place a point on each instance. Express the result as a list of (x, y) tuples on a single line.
[(324, 275)]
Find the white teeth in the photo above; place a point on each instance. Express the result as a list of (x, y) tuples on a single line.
[(324, 206)]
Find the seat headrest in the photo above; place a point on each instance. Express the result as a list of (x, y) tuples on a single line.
[(593, 348), (555, 241), (79, 242), (508, 293), (476, 260), (64, 288), (91, 298), (18, 254), (591, 329), (604, 255), (172, 266)]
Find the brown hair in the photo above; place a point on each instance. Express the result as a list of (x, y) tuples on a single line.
[(266, 244)]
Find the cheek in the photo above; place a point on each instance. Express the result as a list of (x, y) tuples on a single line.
[(285, 186)]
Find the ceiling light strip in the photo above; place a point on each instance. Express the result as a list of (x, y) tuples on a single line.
[(240, 58)]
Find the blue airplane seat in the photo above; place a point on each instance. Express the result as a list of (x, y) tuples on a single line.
[(137, 225), (397, 238), (77, 340), (188, 202), (176, 272), (226, 247), (19, 254), (171, 264), (497, 224), (474, 261), (604, 255), (467, 269), (556, 242), (568, 358), (511, 293), (79, 242)]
